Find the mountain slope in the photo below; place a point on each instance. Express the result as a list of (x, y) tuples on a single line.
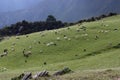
[(72, 10), (74, 47)]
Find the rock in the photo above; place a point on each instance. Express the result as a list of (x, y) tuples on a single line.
[(41, 74), (62, 72), (27, 76)]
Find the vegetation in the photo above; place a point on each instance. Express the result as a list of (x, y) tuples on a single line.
[(25, 27), (85, 48), (51, 18)]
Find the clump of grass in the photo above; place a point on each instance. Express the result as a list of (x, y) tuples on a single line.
[(18, 77), (117, 46)]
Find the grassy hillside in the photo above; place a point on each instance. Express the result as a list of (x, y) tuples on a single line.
[(86, 46)]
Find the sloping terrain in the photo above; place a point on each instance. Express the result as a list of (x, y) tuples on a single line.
[(64, 10), (86, 46)]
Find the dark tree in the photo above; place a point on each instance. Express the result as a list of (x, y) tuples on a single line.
[(51, 18), (112, 14)]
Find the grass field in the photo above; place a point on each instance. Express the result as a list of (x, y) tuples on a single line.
[(79, 49)]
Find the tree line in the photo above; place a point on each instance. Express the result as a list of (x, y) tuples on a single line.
[(25, 27), (97, 18)]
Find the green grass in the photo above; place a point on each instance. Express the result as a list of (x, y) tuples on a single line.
[(91, 75), (99, 53)]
